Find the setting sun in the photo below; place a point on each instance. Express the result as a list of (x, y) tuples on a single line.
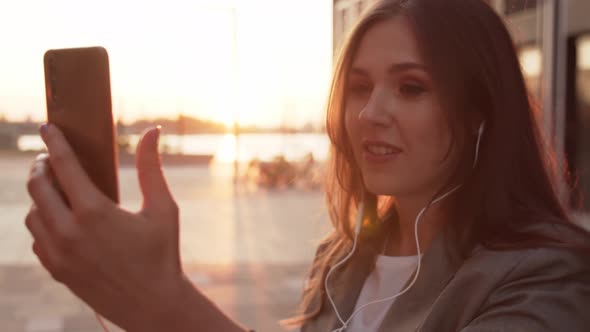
[(217, 60)]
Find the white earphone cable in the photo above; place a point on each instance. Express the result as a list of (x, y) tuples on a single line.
[(357, 228), (357, 231), (345, 323)]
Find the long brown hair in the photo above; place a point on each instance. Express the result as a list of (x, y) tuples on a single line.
[(475, 66)]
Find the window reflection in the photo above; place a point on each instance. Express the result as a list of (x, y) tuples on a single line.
[(582, 130), (531, 62), (516, 6)]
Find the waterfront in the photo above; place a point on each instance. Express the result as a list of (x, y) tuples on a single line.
[(223, 146)]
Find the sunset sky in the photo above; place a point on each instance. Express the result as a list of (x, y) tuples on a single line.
[(177, 56)]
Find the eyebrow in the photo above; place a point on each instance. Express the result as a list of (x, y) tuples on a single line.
[(393, 69)]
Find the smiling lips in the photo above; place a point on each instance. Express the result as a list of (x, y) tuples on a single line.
[(379, 151)]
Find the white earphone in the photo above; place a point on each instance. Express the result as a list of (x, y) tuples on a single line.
[(357, 229), (479, 134)]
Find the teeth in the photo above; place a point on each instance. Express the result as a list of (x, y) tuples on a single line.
[(379, 150)]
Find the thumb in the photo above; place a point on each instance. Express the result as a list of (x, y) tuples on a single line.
[(156, 195)]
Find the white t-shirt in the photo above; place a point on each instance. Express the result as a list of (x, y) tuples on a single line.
[(387, 279)]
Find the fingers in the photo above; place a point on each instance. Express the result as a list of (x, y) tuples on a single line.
[(47, 198), (43, 245), (37, 227), (156, 194), (76, 184)]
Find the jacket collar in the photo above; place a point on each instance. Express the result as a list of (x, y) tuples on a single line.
[(345, 284), (438, 266)]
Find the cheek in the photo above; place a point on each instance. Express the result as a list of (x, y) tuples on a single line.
[(353, 133), (429, 139), (351, 126)]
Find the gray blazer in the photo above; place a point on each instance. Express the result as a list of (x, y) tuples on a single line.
[(539, 289)]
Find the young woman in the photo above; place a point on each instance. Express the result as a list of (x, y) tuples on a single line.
[(442, 195)]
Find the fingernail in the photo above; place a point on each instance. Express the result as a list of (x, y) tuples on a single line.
[(43, 130), (42, 156), (39, 169), (159, 130)]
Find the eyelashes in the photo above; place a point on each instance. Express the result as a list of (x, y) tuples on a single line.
[(411, 90), (359, 89), (405, 90)]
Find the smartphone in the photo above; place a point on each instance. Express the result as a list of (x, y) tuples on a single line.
[(78, 94)]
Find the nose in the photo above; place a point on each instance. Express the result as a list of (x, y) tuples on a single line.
[(377, 111)]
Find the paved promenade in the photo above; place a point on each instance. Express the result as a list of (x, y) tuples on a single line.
[(247, 249)]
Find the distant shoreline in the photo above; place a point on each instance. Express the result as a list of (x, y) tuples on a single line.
[(125, 159), (18, 154)]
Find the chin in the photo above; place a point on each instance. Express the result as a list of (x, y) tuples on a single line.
[(381, 186)]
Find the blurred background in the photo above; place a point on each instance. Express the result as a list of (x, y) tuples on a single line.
[(239, 87)]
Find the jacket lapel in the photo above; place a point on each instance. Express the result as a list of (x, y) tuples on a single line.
[(346, 284), (438, 266)]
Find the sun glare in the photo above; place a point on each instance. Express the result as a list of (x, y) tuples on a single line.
[(210, 59), (227, 150)]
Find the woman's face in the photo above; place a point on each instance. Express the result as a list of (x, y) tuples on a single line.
[(394, 117)]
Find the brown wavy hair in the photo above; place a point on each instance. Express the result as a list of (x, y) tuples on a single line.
[(475, 66)]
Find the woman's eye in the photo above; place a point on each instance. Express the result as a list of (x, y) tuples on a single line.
[(359, 89), (411, 90)]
